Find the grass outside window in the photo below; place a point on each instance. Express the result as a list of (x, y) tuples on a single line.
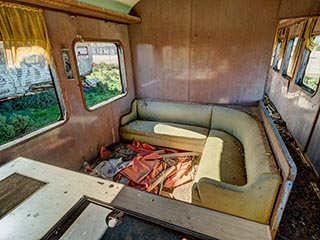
[(99, 66)]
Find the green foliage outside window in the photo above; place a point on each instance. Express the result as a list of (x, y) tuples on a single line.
[(99, 68), (108, 86), (25, 114)]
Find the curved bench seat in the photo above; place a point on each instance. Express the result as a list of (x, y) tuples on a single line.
[(179, 136), (237, 172), (222, 159)]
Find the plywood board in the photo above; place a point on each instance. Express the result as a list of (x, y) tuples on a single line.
[(81, 8), (160, 49), (203, 50), (286, 165), (36, 216), (230, 49), (188, 217)]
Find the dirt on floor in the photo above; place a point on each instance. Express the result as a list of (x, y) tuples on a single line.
[(301, 218)]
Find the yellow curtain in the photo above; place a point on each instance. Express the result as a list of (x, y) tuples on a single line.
[(309, 36), (23, 30)]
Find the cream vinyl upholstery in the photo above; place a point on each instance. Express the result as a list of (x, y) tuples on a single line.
[(237, 172)]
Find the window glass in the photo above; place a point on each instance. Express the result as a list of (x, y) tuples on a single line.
[(290, 57), (101, 71), (277, 58), (28, 99), (309, 70)]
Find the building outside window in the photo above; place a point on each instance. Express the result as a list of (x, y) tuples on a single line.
[(28, 99)]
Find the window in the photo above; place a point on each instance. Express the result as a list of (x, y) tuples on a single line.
[(101, 70), (28, 99), (277, 59), (309, 70), (290, 57)]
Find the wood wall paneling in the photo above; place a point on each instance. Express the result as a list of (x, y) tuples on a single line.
[(202, 51), (293, 8), (230, 49), (81, 136), (81, 8), (160, 49), (313, 151)]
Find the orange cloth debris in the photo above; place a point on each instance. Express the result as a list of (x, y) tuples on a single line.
[(142, 164), (178, 177), (104, 152), (139, 169), (147, 165)]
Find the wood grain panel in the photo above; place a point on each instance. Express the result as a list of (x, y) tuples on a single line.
[(81, 136), (293, 8), (313, 151), (203, 51), (36, 216), (287, 167), (230, 49), (14, 190), (187, 217), (81, 8), (160, 49)]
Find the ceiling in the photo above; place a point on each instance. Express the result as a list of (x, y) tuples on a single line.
[(122, 6)]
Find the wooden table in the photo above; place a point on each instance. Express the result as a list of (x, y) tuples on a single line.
[(38, 213)]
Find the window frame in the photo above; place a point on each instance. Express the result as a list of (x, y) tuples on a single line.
[(287, 57), (276, 55), (122, 69), (304, 61), (50, 126)]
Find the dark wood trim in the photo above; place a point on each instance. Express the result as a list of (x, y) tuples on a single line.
[(79, 8)]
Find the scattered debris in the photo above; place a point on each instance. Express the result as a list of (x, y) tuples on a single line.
[(143, 166), (301, 218)]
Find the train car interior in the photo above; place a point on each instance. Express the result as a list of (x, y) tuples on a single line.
[(159, 119)]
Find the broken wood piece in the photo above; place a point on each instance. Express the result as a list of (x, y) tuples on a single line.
[(172, 155), (182, 154), (162, 176), (160, 187), (160, 151), (169, 161)]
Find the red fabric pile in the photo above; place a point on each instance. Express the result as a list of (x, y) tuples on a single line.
[(148, 164)]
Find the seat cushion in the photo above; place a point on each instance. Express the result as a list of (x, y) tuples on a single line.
[(258, 156), (165, 134), (174, 112), (222, 159)]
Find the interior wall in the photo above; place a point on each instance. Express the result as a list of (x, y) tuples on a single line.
[(210, 51), (302, 8), (84, 132), (297, 107), (313, 151)]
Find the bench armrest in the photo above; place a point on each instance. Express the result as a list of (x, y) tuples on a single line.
[(132, 115), (254, 201)]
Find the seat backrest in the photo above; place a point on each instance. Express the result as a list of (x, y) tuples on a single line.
[(184, 113), (258, 156)]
